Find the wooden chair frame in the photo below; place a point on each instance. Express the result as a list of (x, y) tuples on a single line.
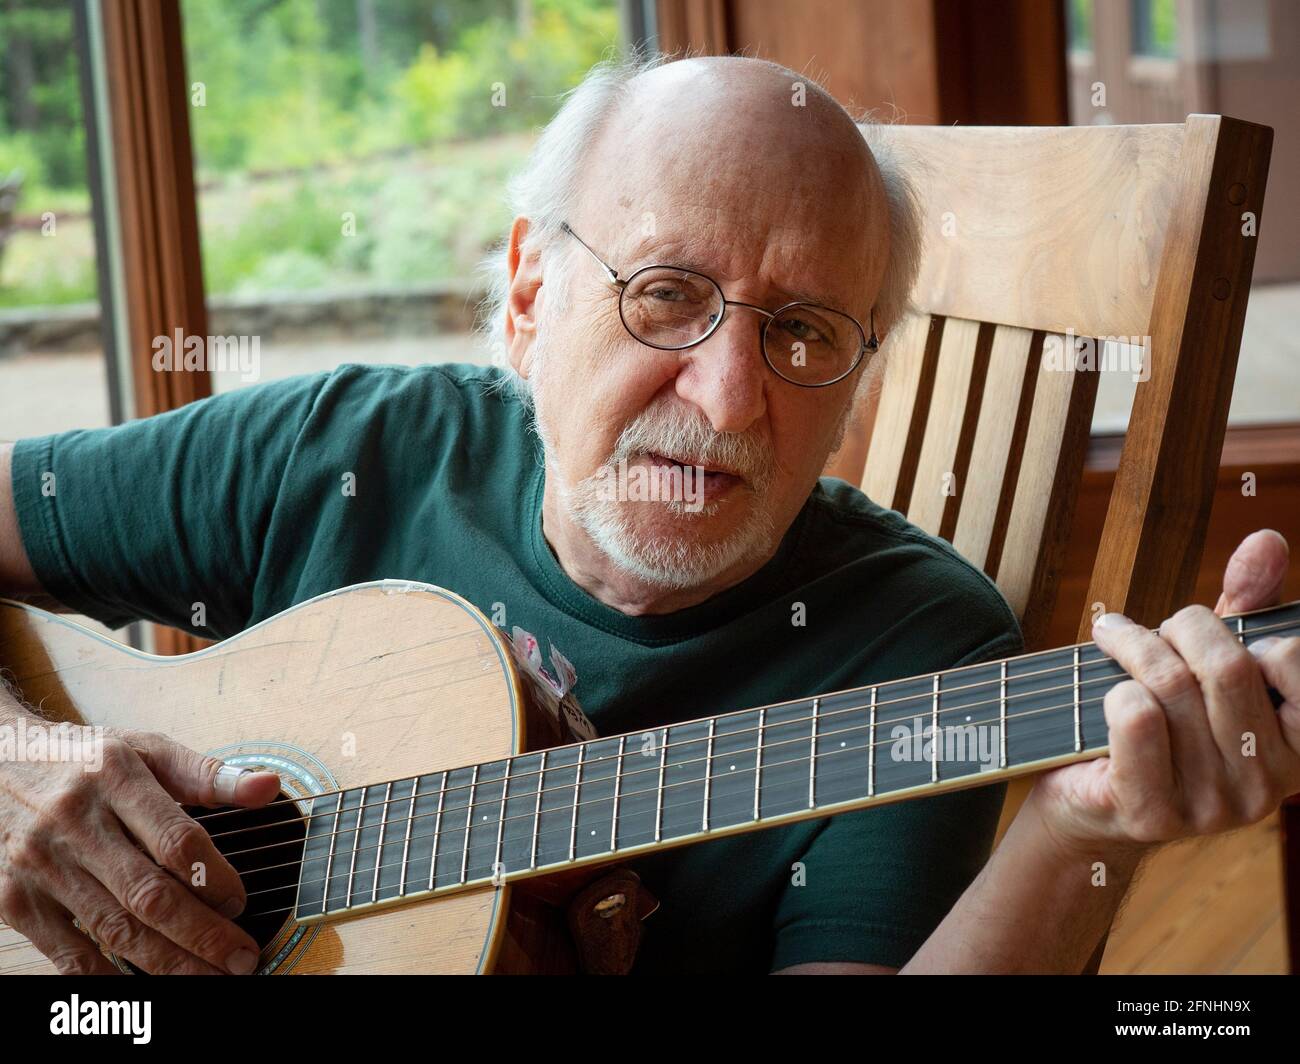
[(1034, 235)]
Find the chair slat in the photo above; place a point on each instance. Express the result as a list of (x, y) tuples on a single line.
[(901, 411), (936, 495), (1046, 487), (1003, 419)]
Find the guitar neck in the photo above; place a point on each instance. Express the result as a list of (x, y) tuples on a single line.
[(629, 794)]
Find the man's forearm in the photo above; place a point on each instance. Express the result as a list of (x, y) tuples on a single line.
[(1037, 906)]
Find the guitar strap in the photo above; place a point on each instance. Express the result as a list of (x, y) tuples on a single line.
[(605, 920)]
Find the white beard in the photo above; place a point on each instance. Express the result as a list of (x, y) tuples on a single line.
[(660, 558)]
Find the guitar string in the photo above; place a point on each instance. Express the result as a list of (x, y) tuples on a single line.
[(622, 774), (804, 740), (924, 696), (460, 853), (464, 825)]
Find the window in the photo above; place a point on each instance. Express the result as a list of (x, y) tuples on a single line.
[(1153, 28), (351, 159), (53, 374)]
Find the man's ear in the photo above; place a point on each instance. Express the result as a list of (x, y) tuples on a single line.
[(521, 301)]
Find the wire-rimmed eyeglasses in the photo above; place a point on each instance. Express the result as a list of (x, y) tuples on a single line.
[(672, 308)]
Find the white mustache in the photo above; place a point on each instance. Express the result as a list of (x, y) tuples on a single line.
[(685, 435)]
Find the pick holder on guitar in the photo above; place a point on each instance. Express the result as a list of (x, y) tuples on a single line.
[(605, 921)]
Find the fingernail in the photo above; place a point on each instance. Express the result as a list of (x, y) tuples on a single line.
[(227, 779), (231, 907), (1111, 620), (1262, 646), (241, 962)]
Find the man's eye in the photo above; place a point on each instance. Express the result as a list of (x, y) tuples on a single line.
[(667, 293), (802, 330)]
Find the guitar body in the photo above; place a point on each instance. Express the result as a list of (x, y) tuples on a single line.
[(373, 682)]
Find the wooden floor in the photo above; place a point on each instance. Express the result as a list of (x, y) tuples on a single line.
[(1205, 906)]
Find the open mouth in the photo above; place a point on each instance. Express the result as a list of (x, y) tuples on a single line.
[(696, 476)]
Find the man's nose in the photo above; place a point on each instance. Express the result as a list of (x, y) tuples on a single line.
[(725, 376)]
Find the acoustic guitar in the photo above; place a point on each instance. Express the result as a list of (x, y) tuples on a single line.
[(437, 815)]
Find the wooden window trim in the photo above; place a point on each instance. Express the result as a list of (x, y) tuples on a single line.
[(162, 267)]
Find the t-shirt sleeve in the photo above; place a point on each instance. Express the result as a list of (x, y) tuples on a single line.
[(155, 517), (877, 882)]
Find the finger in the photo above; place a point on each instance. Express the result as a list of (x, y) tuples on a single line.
[(1152, 662), (159, 902), (1237, 707), (1255, 573), (170, 836), (124, 935), (1279, 661), (49, 928), (194, 779), (1141, 775)]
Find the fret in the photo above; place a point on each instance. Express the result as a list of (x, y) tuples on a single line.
[(812, 757), (577, 800), (905, 716), (366, 852), (787, 736), (333, 847), (618, 779), (734, 761), (636, 796), (558, 806), (936, 736), (1039, 688), (418, 841), (1078, 724), (379, 852), (871, 746), (469, 823), (537, 812), (437, 830), (443, 790), (1241, 629), (708, 779), (318, 846), (1002, 714), (498, 868), (758, 762), (659, 801), (356, 838), (595, 820), (684, 788), (1097, 675), (406, 839)]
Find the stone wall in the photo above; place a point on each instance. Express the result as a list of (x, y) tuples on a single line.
[(354, 312)]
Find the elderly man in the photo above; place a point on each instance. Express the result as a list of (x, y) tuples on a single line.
[(704, 259)]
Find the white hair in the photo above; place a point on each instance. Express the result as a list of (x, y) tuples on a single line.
[(546, 189)]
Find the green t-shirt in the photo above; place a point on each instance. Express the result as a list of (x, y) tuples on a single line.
[(239, 502)]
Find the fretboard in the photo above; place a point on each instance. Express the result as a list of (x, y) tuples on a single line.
[(629, 794)]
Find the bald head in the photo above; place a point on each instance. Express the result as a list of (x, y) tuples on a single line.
[(729, 152)]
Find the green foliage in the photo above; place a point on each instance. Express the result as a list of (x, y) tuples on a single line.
[(304, 109)]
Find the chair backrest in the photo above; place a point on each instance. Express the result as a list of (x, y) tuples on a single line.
[(1035, 236)]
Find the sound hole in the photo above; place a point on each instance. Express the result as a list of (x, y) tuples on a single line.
[(265, 847)]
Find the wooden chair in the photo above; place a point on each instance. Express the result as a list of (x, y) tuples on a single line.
[(1033, 233)]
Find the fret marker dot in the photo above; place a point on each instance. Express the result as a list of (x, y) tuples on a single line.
[(733, 768), (842, 745), (968, 720)]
